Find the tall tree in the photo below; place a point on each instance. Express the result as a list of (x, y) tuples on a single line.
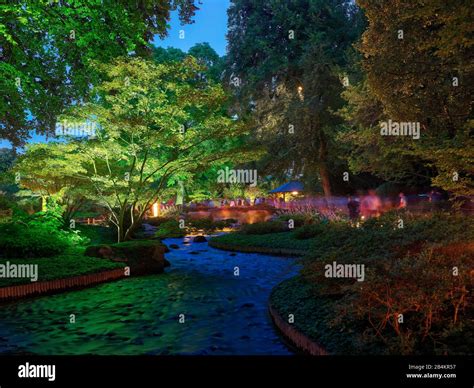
[(51, 170), (202, 185), (419, 61), (206, 56), (46, 47), (158, 123), (288, 60)]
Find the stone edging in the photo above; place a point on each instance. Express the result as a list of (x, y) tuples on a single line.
[(59, 285), (262, 250), (297, 338)]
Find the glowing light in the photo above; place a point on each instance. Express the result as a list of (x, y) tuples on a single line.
[(300, 89), (294, 192), (155, 209)]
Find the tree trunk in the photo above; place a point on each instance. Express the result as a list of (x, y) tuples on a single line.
[(323, 168), (44, 202), (326, 183), (134, 223)]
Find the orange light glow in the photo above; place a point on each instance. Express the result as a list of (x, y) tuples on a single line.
[(155, 209)]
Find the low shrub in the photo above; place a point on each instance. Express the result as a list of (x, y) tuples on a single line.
[(39, 235), (409, 275), (264, 228), (173, 211), (209, 225), (23, 241), (303, 215), (299, 220), (310, 231), (98, 234), (157, 221), (6, 203), (411, 303), (170, 229)]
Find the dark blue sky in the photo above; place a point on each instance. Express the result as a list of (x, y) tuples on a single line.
[(210, 25)]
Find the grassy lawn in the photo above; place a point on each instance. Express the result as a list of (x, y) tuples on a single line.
[(62, 266), (271, 241)]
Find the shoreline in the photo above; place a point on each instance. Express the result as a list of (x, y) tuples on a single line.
[(296, 338), (254, 249), (23, 291)]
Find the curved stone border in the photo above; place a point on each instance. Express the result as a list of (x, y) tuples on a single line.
[(58, 285), (297, 338), (262, 250)]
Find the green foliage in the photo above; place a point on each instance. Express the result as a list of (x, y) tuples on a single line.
[(233, 191), (7, 158), (301, 216), (64, 265), (213, 65), (423, 289), (206, 56), (48, 46), (159, 124), (39, 235), (170, 229), (310, 231), (157, 221), (168, 55), (293, 81), (264, 228), (283, 243), (97, 234), (381, 238), (53, 171), (298, 219), (431, 85), (316, 313), (408, 271), (6, 203), (22, 241), (208, 225), (243, 191)]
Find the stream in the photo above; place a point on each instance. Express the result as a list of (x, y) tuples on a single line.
[(223, 314)]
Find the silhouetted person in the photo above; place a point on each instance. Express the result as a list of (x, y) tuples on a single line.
[(353, 207), (402, 204)]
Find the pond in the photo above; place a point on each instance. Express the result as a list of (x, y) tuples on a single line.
[(245, 215), (223, 314)]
